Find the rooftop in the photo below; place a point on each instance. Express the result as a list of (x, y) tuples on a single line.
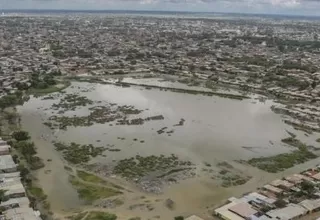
[(22, 202), (243, 209), (226, 213), (310, 204), (6, 162), (21, 214), (289, 212)]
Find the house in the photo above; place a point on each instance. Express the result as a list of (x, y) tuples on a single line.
[(15, 203), (273, 189), (259, 199), (7, 164), (224, 212), (290, 212), (4, 149), (297, 178), (4, 176), (282, 184), (243, 209), (311, 205), (316, 177), (2, 142), (13, 188), (24, 213)]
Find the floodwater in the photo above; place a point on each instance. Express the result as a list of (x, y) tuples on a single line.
[(215, 130)]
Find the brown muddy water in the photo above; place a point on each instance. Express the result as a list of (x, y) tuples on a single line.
[(215, 130)]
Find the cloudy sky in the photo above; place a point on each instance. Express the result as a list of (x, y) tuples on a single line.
[(295, 7)]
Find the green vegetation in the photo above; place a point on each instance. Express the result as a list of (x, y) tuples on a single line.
[(79, 216), (12, 100), (284, 161), (42, 81), (3, 198), (95, 215), (318, 140), (28, 150), (88, 177), (229, 179), (76, 153), (98, 114), (292, 142), (21, 135), (37, 192), (141, 166), (49, 89), (71, 102), (90, 192)]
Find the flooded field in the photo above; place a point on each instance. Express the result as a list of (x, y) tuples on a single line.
[(205, 130)]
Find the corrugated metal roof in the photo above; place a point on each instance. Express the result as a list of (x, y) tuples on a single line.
[(289, 212)]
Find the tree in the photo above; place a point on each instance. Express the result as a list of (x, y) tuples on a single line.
[(48, 79), (179, 218), (307, 187), (22, 86), (8, 101), (15, 159), (280, 203), (3, 197), (24, 172), (21, 135), (11, 117), (28, 149)]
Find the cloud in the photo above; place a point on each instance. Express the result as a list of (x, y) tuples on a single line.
[(305, 7)]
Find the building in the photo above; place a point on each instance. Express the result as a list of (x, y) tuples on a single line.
[(311, 205), (316, 177), (290, 212), (4, 176), (4, 149), (13, 188), (2, 142), (273, 189), (237, 209), (7, 164), (282, 184), (15, 203), (297, 178), (259, 199), (243, 209), (24, 213)]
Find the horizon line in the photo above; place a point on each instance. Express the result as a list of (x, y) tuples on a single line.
[(159, 11)]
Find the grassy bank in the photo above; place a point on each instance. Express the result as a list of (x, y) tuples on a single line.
[(90, 192), (93, 215), (50, 89), (76, 153), (24, 153), (281, 162)]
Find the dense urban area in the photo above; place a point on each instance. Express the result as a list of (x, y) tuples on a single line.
[(136, 116)]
